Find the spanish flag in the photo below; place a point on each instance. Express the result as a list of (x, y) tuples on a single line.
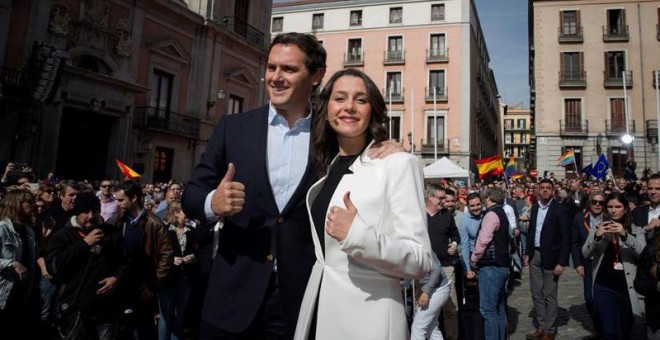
[(489, 166), (128, 172)]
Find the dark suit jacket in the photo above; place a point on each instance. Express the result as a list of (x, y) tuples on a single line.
[(555, 236), (442, 227), (641, 215), (641, 218), (579, 236), (242, 268)]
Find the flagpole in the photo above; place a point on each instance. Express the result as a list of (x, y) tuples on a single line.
[(412, 121), (389, 110), (435, 125), (575, 163)]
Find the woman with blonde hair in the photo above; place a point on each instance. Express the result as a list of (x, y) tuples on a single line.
[(175, 296), (17, 265)]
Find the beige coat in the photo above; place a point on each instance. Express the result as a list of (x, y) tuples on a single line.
[(357, 282), (630, 251)]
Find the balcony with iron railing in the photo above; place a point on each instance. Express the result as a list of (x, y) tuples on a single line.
[(576, 129), (252, 35), (14, 83), (161, 120), (616, 129), (614, 33), (652, 130), (572, 79), (615, 79), (394, 57), (570, 34), (396, 95), (517, 128), (354, 59), (437, 55), (428, 147), (440, 94)]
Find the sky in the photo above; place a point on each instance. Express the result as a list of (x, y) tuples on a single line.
[(504, 23)]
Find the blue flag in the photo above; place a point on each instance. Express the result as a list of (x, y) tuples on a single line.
[(600, 168), (587, 169)]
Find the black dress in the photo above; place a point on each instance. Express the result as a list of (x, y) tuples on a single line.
[(320, 205)]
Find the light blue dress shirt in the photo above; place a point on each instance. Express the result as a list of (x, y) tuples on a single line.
[(288, 154), (468, 229), (540, 218)]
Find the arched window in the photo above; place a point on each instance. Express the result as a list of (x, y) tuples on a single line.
[(94, 64)]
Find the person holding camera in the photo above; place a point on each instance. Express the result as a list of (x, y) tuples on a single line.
[(86, 259), (614, 247)]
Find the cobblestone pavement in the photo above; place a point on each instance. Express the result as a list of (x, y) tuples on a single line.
[(573, 321)]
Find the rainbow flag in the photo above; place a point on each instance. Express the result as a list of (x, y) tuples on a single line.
[(489, 166), (567, 158), (510, 167), (128, 172)]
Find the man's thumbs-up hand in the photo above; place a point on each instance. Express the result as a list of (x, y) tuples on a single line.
[(339, 220), (229, 197)]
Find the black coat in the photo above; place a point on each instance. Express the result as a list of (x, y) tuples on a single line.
[(242, 267), (68, 257), (442, 227), (646, 285)]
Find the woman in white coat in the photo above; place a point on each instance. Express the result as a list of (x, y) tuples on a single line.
[(367, 216)]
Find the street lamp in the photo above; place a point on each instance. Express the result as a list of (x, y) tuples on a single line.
[(412, 146), (627, 138)]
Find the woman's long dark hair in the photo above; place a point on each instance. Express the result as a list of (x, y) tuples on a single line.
[(324, 139), (626, 220)]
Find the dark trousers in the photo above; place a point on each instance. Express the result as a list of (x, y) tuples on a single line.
[(615, 312), (589, 297), (268, 324)]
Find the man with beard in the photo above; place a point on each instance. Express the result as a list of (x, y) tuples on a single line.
[(548, 249), (86, 259), (444, 238), (648, 216), (51, 221)]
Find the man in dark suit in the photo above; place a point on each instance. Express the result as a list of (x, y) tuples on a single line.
[(584, 221), (548, 249), (648, 216), (254, 175), (260, 160)]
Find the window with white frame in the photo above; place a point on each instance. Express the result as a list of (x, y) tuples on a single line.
[(396, 15), (356, 18), (438, 46), (437, 12), (436, 83), (433, 130), (395, 119), (277, 25), (317, 21), (393, 84)]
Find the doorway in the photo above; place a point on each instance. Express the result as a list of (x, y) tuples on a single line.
[(84, 138)]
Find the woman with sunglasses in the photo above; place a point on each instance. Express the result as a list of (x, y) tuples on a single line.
[(583, 222), (613, 248)]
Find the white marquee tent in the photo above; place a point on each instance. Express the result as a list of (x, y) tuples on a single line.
[(445, 168)]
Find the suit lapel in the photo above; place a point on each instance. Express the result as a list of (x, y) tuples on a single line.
[(260, 124)]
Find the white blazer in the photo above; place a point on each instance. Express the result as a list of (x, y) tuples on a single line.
[(357, 282)]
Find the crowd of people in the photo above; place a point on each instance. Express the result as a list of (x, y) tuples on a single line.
[(303, 222)]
